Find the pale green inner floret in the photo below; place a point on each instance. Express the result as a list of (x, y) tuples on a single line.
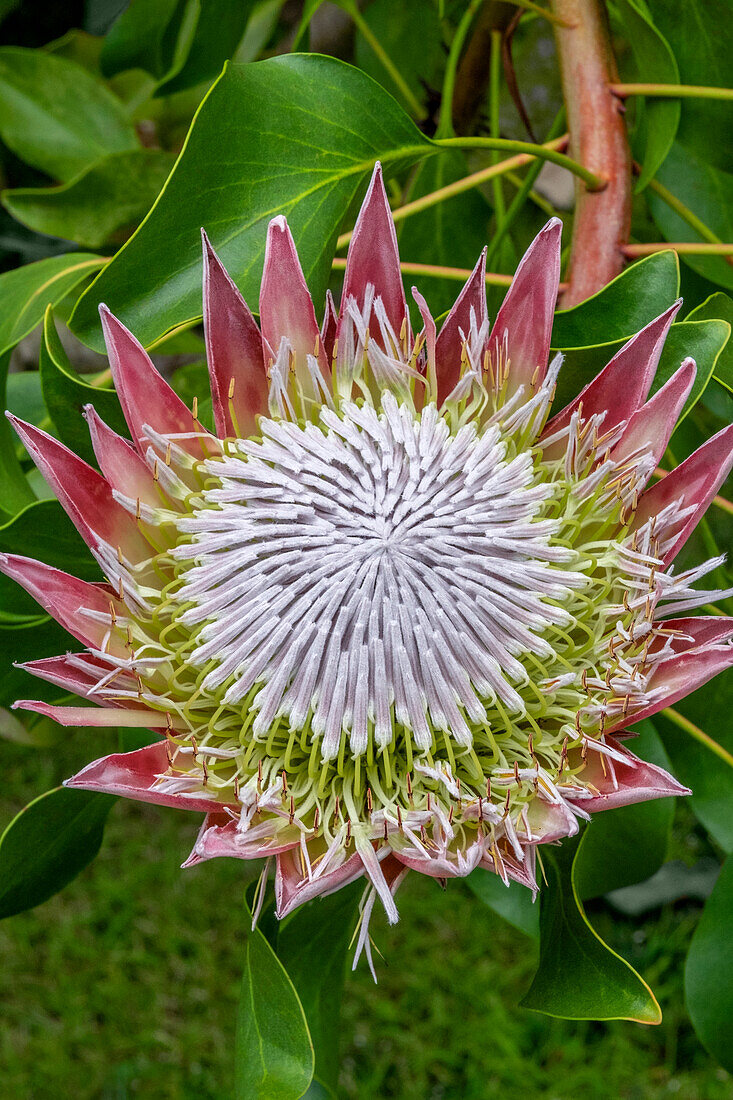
[(376, 610)]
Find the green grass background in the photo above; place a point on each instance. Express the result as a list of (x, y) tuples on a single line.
[(125, 985)]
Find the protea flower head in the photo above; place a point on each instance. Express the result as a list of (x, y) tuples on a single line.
[(389, 616)]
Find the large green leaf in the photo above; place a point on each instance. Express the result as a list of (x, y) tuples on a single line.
[(66, 393), (700, 33), (56, 116), (627, 845), (273, 1053), (312, 946), (245, 160), (48, 844), (102, 204), (709, 777), (579, 977), (450, 233), (709, 971), (513, 902), (625, 305), (708, 192), (657, 119)]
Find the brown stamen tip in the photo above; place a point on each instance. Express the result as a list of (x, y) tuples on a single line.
[(231, 388), (195, 408)]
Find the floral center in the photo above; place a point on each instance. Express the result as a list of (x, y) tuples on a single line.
[(370, 570)]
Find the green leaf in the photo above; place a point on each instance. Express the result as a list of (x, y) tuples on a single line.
[(657, 119), (216, 29), (419, 57), (103, 203), (26, 291), (718, 306), (312, 946), (628, 844), (56, 116), (513, 902), (703, 340), (625, 305), (48, 844), (579, 976), (708, 192), (66, 393), (240, 166), (700, 33), (273, 1053), (144, 36), (450, 233), (709, 972), (695, 765)]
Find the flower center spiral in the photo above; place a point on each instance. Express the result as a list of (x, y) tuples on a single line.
[(371, 571)]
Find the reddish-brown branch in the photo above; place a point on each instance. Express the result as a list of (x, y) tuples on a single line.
[(599, 141)]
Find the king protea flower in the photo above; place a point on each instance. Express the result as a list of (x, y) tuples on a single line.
[(389, 616)]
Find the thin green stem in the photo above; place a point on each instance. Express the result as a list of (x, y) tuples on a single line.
[(494, 91), (435, 271), (683, 211), (445, 126), (686, 248), (539, 200), (591, 180), (457, 188), (525, 191), (699, 735), (672, 91), (385, 60)]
